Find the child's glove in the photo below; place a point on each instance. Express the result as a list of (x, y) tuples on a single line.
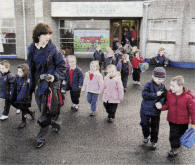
[(158, 105), (159, 93), (63, 82), (79, 88)]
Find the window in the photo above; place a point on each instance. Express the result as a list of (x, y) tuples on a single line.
[(38, 5), (69, 29), (192, 31), (162, 30), (66, 36), (7, 28)]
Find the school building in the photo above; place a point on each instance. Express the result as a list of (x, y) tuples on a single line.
[(79, 26)]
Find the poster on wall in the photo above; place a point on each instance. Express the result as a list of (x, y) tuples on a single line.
[(87, 40)]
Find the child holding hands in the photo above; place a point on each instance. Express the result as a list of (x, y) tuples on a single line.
[(180, 104), (21, 96), (153, 92)]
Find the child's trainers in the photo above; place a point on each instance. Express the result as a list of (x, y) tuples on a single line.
[(172, 153), (92, 114), (73, 107), (3, 117), (138, 83), (22, 125), (76, 108), (18, 111), (39, 143), (153, 145), (110, 120), (55, 126), (145, 140), (125, 89)]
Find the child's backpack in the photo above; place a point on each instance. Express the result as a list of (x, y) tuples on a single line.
[(54, 100), (188, 138), (144, 66)]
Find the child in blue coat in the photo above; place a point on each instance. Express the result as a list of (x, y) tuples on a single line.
[(119, 54), (74, 81), (125, 68), (63, 82), (21, 97), (153, 92), (99, 56), (110, 59), (6, 87), (160, 59)]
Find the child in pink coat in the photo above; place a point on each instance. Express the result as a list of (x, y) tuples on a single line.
[(93, 85), (113, 91)]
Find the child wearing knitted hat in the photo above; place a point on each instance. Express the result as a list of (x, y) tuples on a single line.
[(153, 92)]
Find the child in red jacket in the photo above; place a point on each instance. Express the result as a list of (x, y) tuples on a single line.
[(137, 59), (181, 110)]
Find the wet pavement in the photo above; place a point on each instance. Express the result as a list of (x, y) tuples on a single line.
[(91, 140)]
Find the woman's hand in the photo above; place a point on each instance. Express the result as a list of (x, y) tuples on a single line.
[(51, 78)]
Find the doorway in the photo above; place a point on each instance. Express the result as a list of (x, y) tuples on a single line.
[(124, 30)]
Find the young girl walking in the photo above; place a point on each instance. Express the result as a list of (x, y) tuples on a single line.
[(93, 85), (113, 91), (21, 97), (125, 68), (137, 59)]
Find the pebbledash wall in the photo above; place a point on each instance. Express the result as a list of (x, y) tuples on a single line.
[(171, 24), (164, 23)]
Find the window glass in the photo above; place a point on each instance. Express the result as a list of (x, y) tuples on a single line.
[(192, 31), (162, 30), (67, 29), (38, 5), (7, 28)]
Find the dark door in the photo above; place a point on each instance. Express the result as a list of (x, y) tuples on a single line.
[(115, 32)]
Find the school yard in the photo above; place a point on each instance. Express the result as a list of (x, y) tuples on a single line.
[(91, 140)]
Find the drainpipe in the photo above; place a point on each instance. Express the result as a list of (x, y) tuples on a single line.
[(146, 5), (24, 22)]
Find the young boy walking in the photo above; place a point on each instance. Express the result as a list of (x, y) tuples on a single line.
[(74, 81), (153, 92)]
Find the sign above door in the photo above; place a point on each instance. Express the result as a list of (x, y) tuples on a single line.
[(97, 9)]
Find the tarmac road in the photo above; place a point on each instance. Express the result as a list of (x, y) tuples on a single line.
[(91, 140)]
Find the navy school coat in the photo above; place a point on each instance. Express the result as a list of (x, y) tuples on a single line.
[(149, 95), (50, 62), (77, 79), (6, 85)]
